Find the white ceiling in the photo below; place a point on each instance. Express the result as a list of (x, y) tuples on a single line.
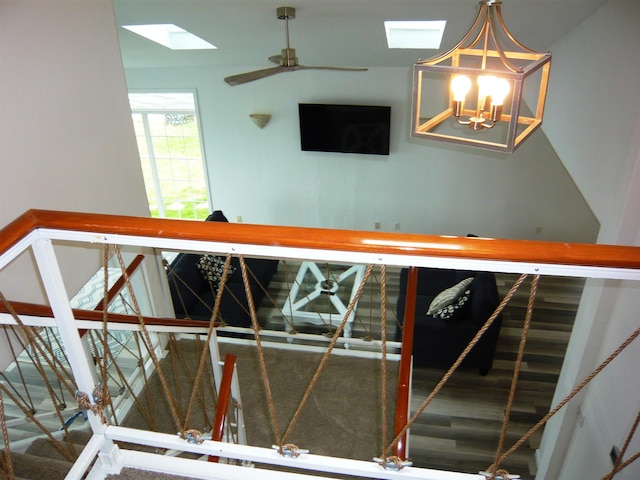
[(326, 32)]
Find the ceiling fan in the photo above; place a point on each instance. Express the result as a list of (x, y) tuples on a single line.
[(287, 60)]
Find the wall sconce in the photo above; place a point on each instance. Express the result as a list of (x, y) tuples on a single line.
[(472, 94), (260, 119)]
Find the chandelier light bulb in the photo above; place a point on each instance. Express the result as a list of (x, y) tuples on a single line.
[(485, 85), (460, 86), (499, 91)]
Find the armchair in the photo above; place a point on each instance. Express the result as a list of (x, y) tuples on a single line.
[(193, 287), (438, 341)]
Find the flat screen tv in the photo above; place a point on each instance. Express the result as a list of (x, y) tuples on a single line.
[(345, 128)]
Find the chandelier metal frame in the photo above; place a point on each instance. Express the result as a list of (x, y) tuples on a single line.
[(488, 50)]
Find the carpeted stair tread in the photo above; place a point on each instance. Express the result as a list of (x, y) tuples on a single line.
[(44, 448), (137, 474), (37, 467)]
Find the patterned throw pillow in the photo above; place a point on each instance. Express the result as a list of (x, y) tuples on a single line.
[(449, 296), (212, 267), (450, 310)]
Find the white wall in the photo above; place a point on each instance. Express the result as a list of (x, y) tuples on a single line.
[(596, 77), (426, 186), (66, 135)]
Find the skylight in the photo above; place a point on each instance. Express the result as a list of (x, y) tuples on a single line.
[(171, 36), (414, 34)]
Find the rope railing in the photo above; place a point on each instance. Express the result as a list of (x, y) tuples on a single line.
[(394, 249)]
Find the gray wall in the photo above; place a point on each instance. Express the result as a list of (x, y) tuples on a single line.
[(596, 77), (66, 134), (427, 187)]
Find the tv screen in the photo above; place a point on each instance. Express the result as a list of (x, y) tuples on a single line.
[(345, 128)]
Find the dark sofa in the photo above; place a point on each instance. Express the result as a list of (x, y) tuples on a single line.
[(438, 342), (193, 295)]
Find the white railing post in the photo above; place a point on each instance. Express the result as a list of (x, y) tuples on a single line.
[(79, 358)]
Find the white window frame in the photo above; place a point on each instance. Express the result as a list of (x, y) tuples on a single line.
[(148, 139)]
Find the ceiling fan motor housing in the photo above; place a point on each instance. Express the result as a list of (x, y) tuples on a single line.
[(288, 57), (286, 13)]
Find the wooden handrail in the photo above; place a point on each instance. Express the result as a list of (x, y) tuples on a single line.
[(530, 251), (115, 289), (44, 311), (118, 284), (224, 395), (403, 392)]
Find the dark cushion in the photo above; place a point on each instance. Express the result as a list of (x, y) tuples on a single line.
[(216, 216), (185, 281)]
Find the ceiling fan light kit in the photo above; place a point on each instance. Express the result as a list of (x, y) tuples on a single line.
[(473, 94), (286, 61)]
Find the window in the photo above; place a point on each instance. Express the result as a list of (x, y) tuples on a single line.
[(167, 131)]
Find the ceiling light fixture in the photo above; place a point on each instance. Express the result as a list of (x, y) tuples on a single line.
[(473, 94)]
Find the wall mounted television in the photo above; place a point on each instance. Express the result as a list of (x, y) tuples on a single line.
[(345, 128)]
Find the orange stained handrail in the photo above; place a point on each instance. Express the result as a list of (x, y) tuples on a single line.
[(104, 303), (403, 392), (224, 395), (119, 284), (44, 311), (530, 251)]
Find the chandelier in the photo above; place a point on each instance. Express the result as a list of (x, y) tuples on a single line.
[(473, 94)]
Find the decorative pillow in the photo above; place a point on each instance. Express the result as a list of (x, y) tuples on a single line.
[(449, 296), (450, 310), (212, 267)]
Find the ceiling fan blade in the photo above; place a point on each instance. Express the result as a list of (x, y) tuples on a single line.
[(287, 60), (346, 69), (241, 78)]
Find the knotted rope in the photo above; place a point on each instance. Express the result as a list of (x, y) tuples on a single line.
[(289, 448), (194, 436), (100, 397), (499, 473)]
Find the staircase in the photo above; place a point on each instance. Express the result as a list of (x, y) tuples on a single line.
[(43, 461)]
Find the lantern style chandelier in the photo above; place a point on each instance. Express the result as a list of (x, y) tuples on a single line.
[(473, 94)]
